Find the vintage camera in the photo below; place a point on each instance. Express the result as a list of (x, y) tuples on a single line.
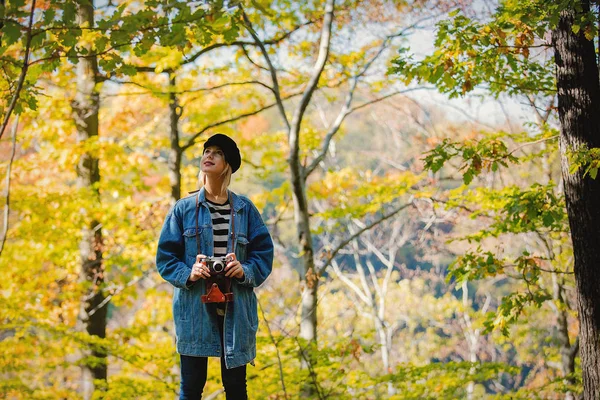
[(216, 265)]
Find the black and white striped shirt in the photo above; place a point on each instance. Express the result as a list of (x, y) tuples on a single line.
[(220, 215)]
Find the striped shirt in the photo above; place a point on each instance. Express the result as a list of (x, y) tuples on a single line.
[(220, 215)]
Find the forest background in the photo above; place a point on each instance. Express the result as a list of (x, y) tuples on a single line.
[(404, 154)]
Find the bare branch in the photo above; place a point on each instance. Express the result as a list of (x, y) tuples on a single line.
[(8, 171), (294, 132), (276, 91), (202, 89), (118, 291), (534, 142), (276, 350), (192, 140), (363, 297), (334, 128), (257, 65), (344, 112), (344, 243)]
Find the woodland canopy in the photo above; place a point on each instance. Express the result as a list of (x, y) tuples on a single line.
[(427, 170)]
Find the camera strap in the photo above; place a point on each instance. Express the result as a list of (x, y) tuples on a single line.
[(197, 224), (232, 233)]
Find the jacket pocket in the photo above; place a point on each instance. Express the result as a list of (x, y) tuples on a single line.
[(179, 312), (241, 248), (192, 238), (253, 312)]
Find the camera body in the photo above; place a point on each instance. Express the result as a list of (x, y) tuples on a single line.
[(216, 265)]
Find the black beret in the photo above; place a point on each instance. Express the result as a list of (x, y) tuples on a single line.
[(230, 149)]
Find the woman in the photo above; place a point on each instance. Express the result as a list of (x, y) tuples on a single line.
[(215, 222)]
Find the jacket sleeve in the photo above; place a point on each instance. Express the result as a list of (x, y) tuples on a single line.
[(259, 262), (171, 252)]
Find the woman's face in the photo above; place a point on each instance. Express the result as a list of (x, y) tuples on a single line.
[(213, 161)]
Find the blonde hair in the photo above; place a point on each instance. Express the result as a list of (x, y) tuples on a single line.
[(225, 175)]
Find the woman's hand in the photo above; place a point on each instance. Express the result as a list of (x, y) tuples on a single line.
[(234, 268), (199, 269)]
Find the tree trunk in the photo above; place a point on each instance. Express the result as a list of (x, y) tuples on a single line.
[(85, 111), (175, 152), (310, 280), (308, 325), (579, 112)]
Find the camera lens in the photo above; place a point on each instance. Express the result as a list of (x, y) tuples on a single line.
[(218, 266)]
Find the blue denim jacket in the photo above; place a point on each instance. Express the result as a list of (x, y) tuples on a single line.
[(196, 327)]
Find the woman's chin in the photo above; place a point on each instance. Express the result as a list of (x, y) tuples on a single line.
[(211, 172)]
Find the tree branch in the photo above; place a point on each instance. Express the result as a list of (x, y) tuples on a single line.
[(363, 297), (202, 89), (8, 171), (281, 375), (13, 101), (534, 142), (241, 43), (344, 112), (192, 140), (118, 291), (324, 45), (276, 91), (344, 243)]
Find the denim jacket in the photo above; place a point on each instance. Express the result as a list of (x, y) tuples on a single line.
[(196, 327)]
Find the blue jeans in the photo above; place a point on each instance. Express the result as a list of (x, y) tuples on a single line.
[(194, 371)]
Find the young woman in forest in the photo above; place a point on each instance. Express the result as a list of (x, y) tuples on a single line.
[(216, 317)]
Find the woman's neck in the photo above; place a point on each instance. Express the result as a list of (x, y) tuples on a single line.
[(212, 190)]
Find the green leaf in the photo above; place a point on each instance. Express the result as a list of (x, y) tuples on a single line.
[(10, 33), (547, 219), (69, 13), (468, 176)]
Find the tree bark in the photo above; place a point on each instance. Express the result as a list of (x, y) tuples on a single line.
[(579, 112), (308, 325), (85, 112), (175, 152)]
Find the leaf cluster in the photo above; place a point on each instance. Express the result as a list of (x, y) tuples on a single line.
[(477, 156), (495, 55), (585, 159)]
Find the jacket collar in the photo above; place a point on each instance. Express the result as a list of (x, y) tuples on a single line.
[(236, 201)]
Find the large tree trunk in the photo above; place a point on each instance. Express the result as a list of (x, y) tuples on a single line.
[(579, 112), (310, 280), (308, 325), (85, 111), (175, 152)]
